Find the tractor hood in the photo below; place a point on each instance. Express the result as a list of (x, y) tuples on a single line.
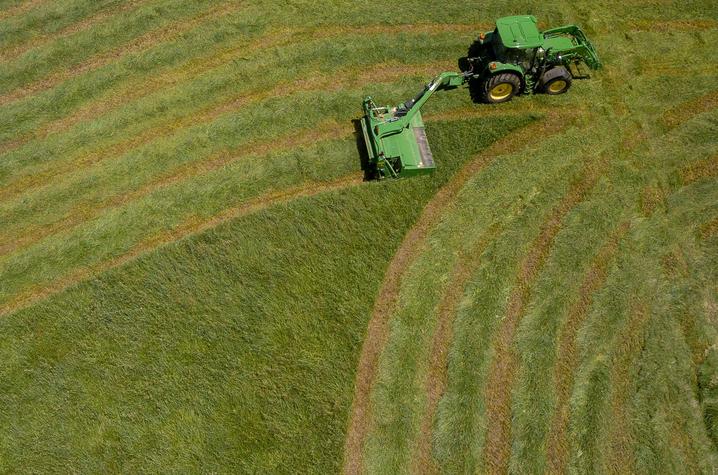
[(519, 31)]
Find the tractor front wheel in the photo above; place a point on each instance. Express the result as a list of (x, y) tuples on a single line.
[(501, 87), (555, 81)]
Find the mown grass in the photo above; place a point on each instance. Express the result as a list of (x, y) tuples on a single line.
[(234, 350), (199, 196), (51, 18), (253, 410), (460, 424)]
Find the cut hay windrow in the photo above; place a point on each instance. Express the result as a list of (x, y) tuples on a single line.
[(436, 378), (360, 419), (670, 26), (148, 40), (681, 113), (21, 8), (709, 229), (143, 86), (567, 358), (190, 226), (502, 372), (621, 440), (22, 236), (13, 52), (295, 140), (352, 77)]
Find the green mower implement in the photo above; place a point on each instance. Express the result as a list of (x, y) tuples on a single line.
[(514, 58), (395, 139)]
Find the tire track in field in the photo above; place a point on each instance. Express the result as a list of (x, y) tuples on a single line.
[(23, 236), (684, 111), (567, 359), (192, 225), (136, 89), (293, 141), (385, 304), (20, 9), (502, 373), (13, 52), (476, 112), (150, 39)]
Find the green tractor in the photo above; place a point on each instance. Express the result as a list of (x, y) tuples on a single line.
[(518, 58), (514, 58)]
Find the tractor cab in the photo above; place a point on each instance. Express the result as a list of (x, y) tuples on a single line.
[(516, 40)]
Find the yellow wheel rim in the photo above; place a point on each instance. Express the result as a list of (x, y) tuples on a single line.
[(557, 86), (501, 91)]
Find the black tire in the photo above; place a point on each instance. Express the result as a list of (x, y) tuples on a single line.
[(555, 81), (495, 89)]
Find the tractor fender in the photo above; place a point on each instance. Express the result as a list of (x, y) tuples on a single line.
[(505, 68), (553, 73)]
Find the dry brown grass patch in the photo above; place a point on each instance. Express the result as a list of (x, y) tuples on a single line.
[(700, 169), (21, 8)]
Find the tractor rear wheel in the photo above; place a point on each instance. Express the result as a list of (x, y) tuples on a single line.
[(501, 87), (556, 81)]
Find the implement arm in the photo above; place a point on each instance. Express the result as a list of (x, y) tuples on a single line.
[(403, 114)]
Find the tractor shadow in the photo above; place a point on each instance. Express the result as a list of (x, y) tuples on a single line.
[(366, 167), (464, 66)]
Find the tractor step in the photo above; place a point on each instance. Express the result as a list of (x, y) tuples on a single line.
[(427, 158)]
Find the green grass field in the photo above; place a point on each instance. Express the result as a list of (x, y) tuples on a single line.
[(195, 278)]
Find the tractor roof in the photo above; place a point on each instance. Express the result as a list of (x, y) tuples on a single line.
[(519, 31)]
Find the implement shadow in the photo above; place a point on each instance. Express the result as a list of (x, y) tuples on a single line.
[(366, 166)]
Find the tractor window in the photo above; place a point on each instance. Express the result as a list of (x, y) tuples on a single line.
[(520, 57)]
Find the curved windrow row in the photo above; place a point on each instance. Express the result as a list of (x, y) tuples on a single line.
[(517, 397)]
